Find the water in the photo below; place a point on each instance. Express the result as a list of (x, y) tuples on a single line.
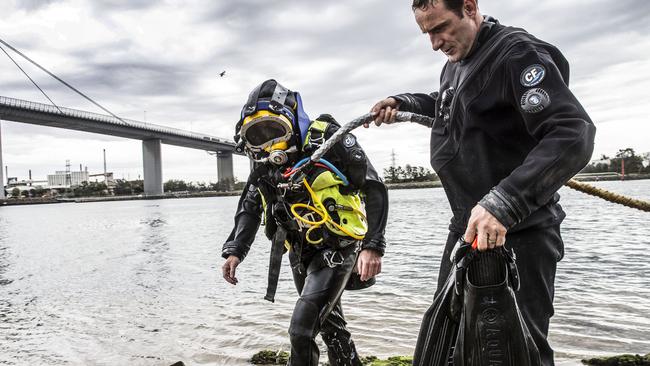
[(139, 282)]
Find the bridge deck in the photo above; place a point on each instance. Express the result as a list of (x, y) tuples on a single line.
[(24, 111)]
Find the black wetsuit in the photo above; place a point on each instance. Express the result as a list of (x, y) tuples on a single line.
[(508, 133), (320, 272)]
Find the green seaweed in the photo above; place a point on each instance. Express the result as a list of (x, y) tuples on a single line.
[(620, 360), (391, 361), (268, 357)]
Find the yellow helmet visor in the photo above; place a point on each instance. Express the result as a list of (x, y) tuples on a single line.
[(264, 129)]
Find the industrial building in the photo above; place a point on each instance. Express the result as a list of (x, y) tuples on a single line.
[(67, 179), (60, 180)]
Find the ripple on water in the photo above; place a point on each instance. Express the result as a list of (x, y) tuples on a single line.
[(139, 282)]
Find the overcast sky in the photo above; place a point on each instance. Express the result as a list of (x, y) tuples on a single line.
[(159, 61)]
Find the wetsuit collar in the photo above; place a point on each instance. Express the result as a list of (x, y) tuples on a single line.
[(484, 33)]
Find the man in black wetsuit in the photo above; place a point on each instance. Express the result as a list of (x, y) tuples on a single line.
[(328, 215), (507, 134)]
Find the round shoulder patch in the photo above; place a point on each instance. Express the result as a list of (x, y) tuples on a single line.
[(535, 100), (532, 75), (357, 155), (349, 140)]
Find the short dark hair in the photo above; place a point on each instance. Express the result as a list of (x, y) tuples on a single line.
[(455, 6)]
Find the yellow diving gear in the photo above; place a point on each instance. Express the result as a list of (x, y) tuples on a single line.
[(326, 198), (265, 130)]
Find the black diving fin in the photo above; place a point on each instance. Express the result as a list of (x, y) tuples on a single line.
[(491, 329), (435, 345)]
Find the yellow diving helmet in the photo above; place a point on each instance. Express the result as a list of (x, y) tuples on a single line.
[(270, 124), (266, 131), (269, 132)]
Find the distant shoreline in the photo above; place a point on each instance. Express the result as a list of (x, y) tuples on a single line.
[(39, 201), (579, 177), (415, 185), (404, 185)]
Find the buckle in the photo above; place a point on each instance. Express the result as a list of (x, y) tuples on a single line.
[(298, 267), (276, 107), (331, 260), (317, 140)]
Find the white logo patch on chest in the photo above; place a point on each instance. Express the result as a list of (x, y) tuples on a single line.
[(532, 75), (349, 140)]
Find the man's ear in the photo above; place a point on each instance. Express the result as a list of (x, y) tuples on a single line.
[(470, 7)]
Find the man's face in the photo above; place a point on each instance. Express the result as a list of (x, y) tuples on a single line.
[(448, 32)]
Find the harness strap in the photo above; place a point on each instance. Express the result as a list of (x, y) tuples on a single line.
[(275, 262), (315, 134)]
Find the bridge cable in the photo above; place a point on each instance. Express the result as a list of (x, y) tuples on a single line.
[(30, 79), (62, 81)]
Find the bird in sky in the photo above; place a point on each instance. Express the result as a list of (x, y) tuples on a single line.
[(222, 73)]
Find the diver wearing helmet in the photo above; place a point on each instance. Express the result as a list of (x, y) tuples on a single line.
[(329, 216)]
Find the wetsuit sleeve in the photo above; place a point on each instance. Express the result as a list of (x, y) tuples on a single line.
[(537, 87), (247, 222), (418, 103), (376, 199)]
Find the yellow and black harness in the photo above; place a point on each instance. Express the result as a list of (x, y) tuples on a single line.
[(340, 217)]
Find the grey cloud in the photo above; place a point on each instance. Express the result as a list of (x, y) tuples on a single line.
[(111, 81), (257, 27), (247, 13), (376, 33), (32, 5), (583, 32), (137, 78), (373, 50), (120, 5), (576, 22), (17, 128)]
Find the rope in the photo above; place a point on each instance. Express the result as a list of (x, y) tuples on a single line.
[(428, 121), (608, 196)]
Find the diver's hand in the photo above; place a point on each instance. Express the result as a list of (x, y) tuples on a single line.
[(229, 268), (489, 231), (385, 111), (368, 264)]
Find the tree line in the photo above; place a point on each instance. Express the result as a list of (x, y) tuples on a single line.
[(409, 173), (177, 185), (125, 187), (635, 164)]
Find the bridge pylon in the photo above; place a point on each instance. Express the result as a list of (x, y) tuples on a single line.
[(152, 166), (225, 167)]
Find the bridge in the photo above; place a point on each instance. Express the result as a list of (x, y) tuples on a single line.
[(152, 136)]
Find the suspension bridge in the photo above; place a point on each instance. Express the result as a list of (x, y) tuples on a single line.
[(152, 135)]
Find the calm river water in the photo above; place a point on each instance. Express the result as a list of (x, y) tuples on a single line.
[(139, 282)]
